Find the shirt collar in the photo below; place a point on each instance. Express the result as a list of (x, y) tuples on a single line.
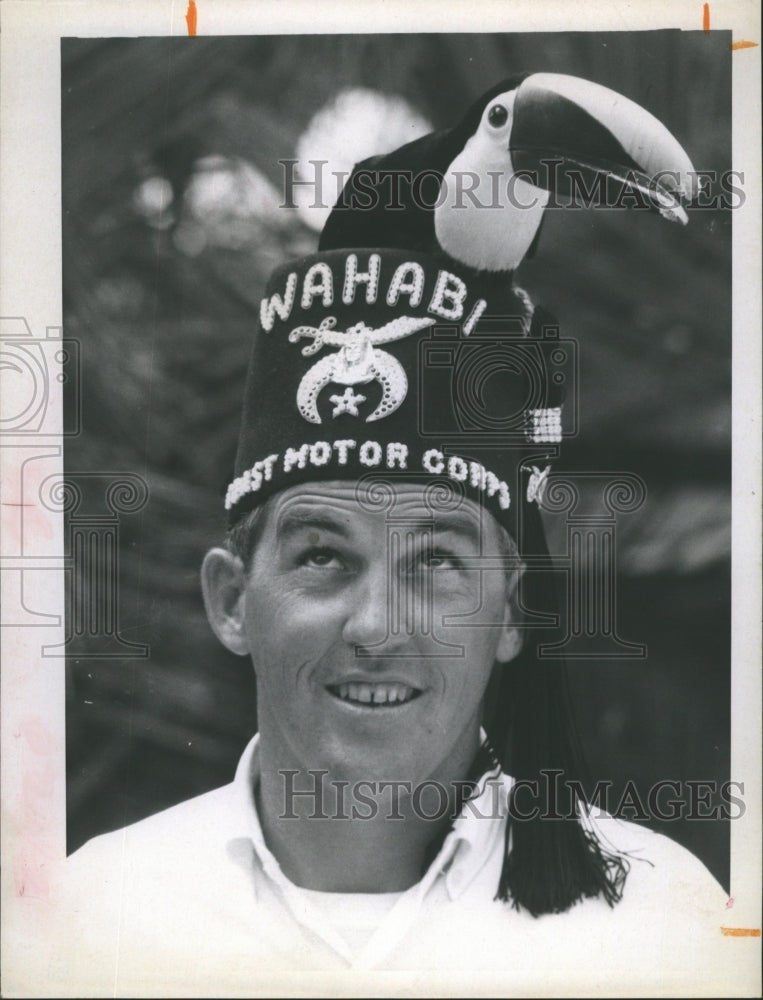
[(464, 852), (478, 827), (245, 782)]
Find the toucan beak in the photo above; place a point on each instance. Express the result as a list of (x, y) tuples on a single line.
[(565, 126)]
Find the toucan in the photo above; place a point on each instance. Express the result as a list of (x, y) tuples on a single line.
[(477, 192)]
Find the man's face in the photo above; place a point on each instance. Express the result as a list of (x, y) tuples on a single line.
[(373, 632)]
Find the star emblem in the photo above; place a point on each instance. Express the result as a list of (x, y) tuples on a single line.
[(347, 402), (358, 361)]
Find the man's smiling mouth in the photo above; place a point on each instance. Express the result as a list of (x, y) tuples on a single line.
[(381, 695)]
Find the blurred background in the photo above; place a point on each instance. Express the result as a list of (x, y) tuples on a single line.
[(171, 226)]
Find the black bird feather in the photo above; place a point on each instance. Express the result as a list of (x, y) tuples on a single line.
[(388, 201)]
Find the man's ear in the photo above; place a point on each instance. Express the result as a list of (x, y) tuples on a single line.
[(512, 634), (223, 584)]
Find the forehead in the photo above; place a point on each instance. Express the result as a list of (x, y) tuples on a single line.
[(362, 506)]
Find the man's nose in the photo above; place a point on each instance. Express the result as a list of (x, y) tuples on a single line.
[(383, 610)]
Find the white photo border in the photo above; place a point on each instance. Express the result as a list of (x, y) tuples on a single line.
[(33, 732)]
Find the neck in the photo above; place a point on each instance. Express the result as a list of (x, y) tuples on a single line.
[(339, 835)]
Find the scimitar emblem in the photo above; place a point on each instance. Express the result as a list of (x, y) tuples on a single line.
[(357, 362)]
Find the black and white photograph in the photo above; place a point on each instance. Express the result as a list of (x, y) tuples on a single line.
[(379, 507)]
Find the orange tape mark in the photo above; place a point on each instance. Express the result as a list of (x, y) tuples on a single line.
[(740, 931), (190, 17), (705, 16), (741, 44)]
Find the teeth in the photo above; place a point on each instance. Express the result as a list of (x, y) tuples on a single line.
[(376, 694)]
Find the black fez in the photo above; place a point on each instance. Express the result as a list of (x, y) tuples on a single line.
[(392, 363)]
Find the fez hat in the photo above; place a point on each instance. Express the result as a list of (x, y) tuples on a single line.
[(390, 364)]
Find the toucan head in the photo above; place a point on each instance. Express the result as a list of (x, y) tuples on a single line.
[(540, 134), (478, 191), (553, 115)]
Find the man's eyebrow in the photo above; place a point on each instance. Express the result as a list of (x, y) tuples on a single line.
[(444, 522), (461, 524), (297, 519)]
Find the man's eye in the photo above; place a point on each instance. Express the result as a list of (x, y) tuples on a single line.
[(321, 559), (435, 560)]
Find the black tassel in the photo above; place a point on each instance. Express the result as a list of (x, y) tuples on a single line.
[(551, 861)]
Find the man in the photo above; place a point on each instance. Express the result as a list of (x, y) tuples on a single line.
[(409, 802)]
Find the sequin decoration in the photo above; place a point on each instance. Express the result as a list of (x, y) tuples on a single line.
[(544, 426)]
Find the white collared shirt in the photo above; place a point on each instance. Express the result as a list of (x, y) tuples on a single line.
[(475, 840), (192, 899)]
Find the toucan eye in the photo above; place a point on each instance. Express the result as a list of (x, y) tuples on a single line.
[(497, 116)]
